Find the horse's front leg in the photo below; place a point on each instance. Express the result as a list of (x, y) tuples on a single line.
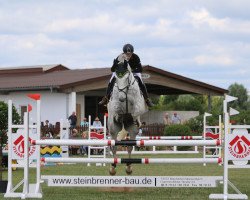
[(112, 170), (129, 167)]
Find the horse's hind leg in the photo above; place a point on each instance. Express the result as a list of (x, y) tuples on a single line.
[(132, 133), (112, 170), (129, 167)]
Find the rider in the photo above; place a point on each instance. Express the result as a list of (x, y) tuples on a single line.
[(136, 67)]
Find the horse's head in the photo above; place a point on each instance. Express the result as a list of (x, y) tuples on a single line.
[(121, 68), (123, 79)]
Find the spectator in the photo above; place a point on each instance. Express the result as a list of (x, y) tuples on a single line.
[(84, 122), (97, 122), (144, 128), (49, 135), (74, 136), (84, 149), (176, 119), (166, 119), (72, 120), (47, 124), (140, 132), (48, 129)]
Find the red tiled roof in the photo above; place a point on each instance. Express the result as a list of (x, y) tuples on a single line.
[(60, 77), (52, 79)]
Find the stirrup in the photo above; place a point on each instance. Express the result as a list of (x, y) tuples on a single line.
[(104, 101), (149, 103)]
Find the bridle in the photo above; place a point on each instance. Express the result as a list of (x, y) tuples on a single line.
[(125, 90)]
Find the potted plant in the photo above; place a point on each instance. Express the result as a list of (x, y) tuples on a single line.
[(3, 139)]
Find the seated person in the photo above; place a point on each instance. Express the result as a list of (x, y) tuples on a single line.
[(49, 135), (47, 124), (84, 149), (84, 122), (97, 123), (74, 135), (47, 129)]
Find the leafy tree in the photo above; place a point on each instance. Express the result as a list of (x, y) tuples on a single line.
[(242, 118), (178, 130), (4, 127), (238, 90), (196, 123), (183, 102), (189, 103), (170, 98), (155, 101), (217, 105), (200, 102)]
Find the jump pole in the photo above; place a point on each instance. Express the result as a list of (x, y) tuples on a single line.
[(38, 171), (187, 137), (37, 98), (128, 142), (204, 133), (26, 156), (10, 181), (135, 160)]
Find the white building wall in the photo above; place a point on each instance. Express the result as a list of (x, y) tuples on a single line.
[(156, 116), (53, 105)]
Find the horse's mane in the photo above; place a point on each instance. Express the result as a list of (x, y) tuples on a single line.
[(121, 59)]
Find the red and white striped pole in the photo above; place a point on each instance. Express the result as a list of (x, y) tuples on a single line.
[(134, 160), (128, 142), (186, 137)]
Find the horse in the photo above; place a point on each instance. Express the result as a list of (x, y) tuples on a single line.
[(125, 107)]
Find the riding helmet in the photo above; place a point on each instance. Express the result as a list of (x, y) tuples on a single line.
[(128, 48)]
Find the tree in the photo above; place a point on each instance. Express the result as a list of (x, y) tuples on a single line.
[(190, 103), (217, 105), (238, 90), (183, 102), (4, 127), (170, 98)]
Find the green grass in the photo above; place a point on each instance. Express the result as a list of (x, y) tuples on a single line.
[(240, 178)]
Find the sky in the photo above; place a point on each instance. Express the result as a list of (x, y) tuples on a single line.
[(206, 40)]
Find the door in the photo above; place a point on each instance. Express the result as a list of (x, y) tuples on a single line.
[(78, 113)]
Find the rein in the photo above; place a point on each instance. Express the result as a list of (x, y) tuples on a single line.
[(127, 87)]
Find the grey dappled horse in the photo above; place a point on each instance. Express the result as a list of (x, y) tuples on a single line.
[(125, 107)]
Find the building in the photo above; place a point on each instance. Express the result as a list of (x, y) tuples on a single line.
[(64, 90)]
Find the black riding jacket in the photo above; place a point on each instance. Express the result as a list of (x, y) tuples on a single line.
[(134, 63)]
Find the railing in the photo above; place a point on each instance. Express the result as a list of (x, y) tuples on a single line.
[(153, 130)]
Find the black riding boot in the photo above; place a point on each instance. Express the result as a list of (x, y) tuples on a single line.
[(144, 92), (106, 98)]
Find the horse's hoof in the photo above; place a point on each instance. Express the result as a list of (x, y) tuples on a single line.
[(129, 170), (112, 171)]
